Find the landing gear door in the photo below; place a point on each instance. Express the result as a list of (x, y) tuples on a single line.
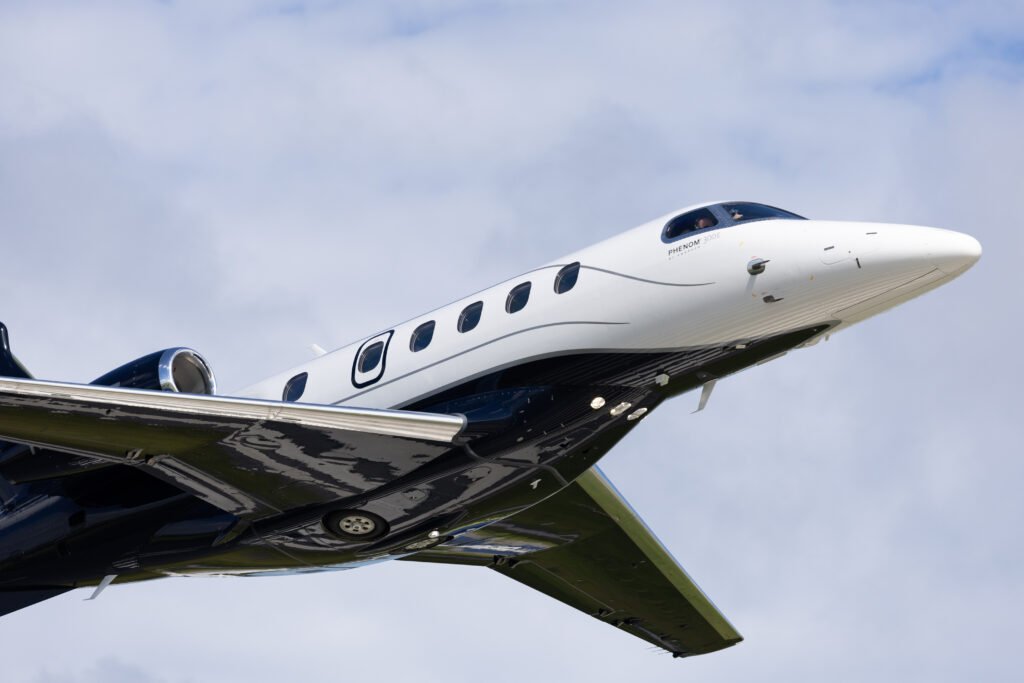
[(371, 360)]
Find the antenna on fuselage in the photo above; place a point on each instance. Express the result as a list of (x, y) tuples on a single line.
[(705, 394)]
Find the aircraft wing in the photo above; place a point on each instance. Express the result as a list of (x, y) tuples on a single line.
[(587, 548), (251, 458)]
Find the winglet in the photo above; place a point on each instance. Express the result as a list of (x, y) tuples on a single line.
[(9, 365)]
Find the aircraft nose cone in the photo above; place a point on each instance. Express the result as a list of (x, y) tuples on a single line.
[(954, 252)]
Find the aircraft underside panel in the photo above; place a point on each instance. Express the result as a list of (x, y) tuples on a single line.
[(585, 547), (249, 495), (532, 430)]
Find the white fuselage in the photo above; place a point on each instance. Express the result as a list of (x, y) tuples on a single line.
[(637, 292)]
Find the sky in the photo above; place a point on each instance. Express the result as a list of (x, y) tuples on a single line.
[(247, 178)]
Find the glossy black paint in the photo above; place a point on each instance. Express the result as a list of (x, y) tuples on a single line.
[(9, 365), (140, 373), (531, 432), (21, 464)]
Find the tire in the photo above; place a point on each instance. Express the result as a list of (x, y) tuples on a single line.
[(355, 525)]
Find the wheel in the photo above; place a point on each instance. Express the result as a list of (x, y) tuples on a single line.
[(355, 525)]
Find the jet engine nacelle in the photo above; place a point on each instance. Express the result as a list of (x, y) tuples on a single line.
[(179, 369)]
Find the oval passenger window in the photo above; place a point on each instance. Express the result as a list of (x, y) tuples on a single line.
[(421, 337), (566, 278), (294, 388), (517, 298), (370, 357), (470, 316)]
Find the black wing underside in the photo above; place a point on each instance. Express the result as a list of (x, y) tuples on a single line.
[(587, 548), (583, 546), (251, 458)]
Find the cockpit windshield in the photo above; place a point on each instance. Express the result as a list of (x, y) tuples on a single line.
[(721, 216), (747, 211)]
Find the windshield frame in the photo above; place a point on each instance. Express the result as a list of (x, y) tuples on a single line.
[(722, 215)]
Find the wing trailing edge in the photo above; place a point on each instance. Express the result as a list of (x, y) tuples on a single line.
[(586, 547)]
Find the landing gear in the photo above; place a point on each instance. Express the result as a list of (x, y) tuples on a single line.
[(355, 525)]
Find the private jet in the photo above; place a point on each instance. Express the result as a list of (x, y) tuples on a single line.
[(468, 435)]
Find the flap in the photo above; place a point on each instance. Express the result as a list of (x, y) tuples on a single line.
[(587, 548), (249, 457)]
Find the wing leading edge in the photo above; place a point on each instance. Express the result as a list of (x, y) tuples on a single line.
[(586, 547), (251, 458)]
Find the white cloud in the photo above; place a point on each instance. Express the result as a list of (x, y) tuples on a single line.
[(230, 176)]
